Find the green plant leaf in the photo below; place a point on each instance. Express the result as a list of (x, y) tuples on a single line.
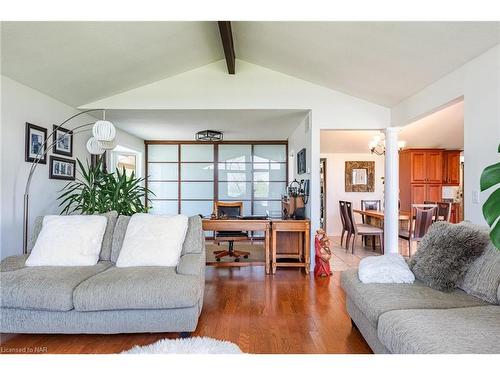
[(491, 208), (495, 235), (490, 176)]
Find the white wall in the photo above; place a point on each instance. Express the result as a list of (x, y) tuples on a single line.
[(298, 140), (335, 184), (21, 104), (478, 82)]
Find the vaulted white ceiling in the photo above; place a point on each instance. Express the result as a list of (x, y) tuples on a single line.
[(80, 62), (183, 124), (441, 129), (382, 62)]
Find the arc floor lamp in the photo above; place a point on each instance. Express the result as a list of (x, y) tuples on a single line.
[(103, 139)]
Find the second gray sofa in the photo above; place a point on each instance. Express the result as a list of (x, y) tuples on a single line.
[(104, 298), (413, 318)]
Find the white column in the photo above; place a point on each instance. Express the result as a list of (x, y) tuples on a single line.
[(391, 191)]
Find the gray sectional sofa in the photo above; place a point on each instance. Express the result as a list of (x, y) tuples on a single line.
[(413, 318), (104, 298)]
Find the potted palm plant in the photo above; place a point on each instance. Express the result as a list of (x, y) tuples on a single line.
[(97, 191)]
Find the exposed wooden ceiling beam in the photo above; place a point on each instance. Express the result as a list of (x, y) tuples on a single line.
[(226, 35)]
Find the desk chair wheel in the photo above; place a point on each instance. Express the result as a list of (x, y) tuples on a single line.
[(236, 259), (245, 256), (217, 259)]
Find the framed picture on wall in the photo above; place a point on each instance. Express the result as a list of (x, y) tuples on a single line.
[(301, 161), (63, 141), (34, 143), (359, 176), (61, 168)]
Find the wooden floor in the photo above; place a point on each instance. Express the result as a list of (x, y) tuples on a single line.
[(285, 313)]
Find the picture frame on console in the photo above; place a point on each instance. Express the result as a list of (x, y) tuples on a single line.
[(61, 168), (34, 143), (63, 141)]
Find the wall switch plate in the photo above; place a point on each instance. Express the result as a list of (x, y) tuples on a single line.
[(475, 196)]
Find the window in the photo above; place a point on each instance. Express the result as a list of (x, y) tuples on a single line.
[(125, 158), (188, 177)]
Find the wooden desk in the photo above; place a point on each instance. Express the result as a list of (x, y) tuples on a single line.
[(283, 233), (242, 225)]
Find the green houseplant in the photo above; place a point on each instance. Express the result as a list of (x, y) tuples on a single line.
[(491, 208), (97, 191)]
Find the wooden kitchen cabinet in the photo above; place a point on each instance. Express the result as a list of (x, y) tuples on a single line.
[(420, 176), (451, 168), (426, 166), (434, 192)]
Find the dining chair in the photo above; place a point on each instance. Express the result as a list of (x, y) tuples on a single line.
[(373, 205), (345, 228), (443, 211), (422, 217), (361, 230), (229, 210)]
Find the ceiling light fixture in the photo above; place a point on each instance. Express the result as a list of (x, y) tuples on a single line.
[(377, 145), (209, 136)]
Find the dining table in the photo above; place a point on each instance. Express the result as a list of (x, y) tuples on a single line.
[(376, 218), (379, 215)]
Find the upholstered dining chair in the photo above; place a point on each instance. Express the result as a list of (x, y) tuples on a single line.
[(443, 211), (229, 210), (374, 205), (361, 229), (345, 227), (422, 217)]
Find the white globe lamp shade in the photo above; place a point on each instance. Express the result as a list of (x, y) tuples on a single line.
[(107, 145), (104, 131), (94, 148)]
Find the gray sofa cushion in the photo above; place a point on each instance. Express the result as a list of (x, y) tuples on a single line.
[(193, 243), (445, 253), (463, 330), (195, 238), (13, 263), (482, 279), (107, 239), (375, 299), (44, 288), (137, 288), (119, 236)]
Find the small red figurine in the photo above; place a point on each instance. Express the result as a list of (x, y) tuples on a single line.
[(322, 254)]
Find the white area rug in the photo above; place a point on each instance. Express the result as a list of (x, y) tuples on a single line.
[(192, 345)]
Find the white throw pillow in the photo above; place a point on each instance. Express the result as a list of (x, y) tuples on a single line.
[(73, 240), (153, 240), (388, 268)]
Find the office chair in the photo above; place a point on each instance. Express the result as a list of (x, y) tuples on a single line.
[(230, 210)]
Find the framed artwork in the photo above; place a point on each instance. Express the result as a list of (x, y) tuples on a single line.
[(359, 176), (34, 143), (63, 141), (301, 161), (61, 168)]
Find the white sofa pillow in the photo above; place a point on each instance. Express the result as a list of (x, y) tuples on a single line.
[(388, 268), (73, 240), (153, 240)]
